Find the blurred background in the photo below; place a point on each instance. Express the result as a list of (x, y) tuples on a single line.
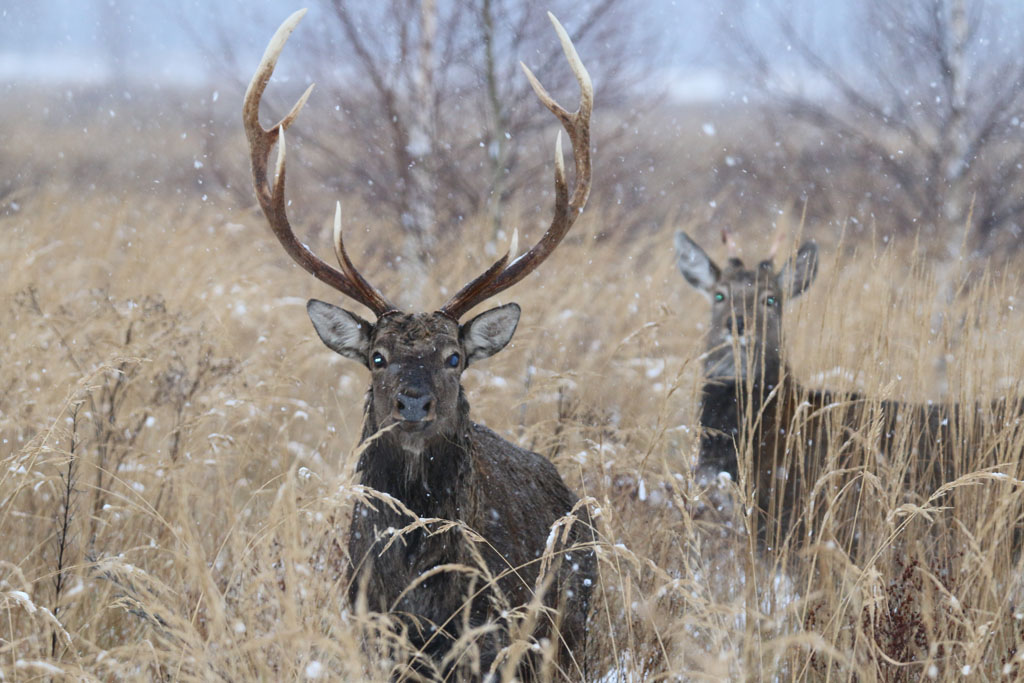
[(176, 445), (897, 119)]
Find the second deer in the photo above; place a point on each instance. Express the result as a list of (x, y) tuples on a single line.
[(775, 436)]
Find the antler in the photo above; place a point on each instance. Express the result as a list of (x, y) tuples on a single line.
[(577, 125), (732, 249), (271, 197), (778, 237)]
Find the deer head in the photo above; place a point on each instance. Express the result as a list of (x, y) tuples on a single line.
[(416, 359), (416, 362), (745, 338)]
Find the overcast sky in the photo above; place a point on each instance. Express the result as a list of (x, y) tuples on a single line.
[(100, 41), (75, 40)]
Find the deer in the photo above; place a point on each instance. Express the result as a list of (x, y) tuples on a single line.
[(460, 495), (760, 425)]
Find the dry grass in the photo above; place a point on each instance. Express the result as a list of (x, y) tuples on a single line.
[(158, 357)]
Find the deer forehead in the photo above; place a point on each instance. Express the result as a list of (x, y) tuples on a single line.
[(417, 333), (741, 280)]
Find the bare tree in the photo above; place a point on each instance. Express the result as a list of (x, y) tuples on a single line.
[(920, 101), (422, 129), (425, 98), (475, 53)]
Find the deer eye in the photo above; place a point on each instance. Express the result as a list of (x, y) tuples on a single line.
[(378, 360), (719, 296), (770, 301), (453, 360)]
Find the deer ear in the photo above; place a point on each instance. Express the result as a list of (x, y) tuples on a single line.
[(489, 332), (698, 269), (798, 273), (343, 332)]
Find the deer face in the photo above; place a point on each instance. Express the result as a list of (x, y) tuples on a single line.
[(745, 338), (416, 362)]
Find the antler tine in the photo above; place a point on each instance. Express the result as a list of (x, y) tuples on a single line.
[(271, 196), (778, 238), (497, 278), (260, 139), (472, 290), (731, 248), (369, 294)]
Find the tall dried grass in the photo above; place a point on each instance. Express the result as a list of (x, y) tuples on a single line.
[(164, 336)]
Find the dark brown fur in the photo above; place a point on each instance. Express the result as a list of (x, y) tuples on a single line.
[(492, 504), (449, 468), (773, 435)]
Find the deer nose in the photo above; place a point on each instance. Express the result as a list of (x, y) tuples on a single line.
[(737, 325), (413, 406)]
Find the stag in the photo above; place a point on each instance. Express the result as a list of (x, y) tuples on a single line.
[(762, 427), (459, 495)]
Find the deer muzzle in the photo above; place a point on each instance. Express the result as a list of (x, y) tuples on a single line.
[(412, 405)]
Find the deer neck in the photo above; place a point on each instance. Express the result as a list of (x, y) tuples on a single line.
[(432, 480), (730, 407), (757, 392)]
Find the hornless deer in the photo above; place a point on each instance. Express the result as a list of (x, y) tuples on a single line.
[(420, 448), (761, 426)]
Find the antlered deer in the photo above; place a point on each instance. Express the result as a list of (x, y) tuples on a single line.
[(761, 426), (420, 448)]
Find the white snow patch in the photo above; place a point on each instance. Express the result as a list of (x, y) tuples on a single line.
[(838, 372), (37, 664), (23, 599), (552, 535), (290, 301)]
